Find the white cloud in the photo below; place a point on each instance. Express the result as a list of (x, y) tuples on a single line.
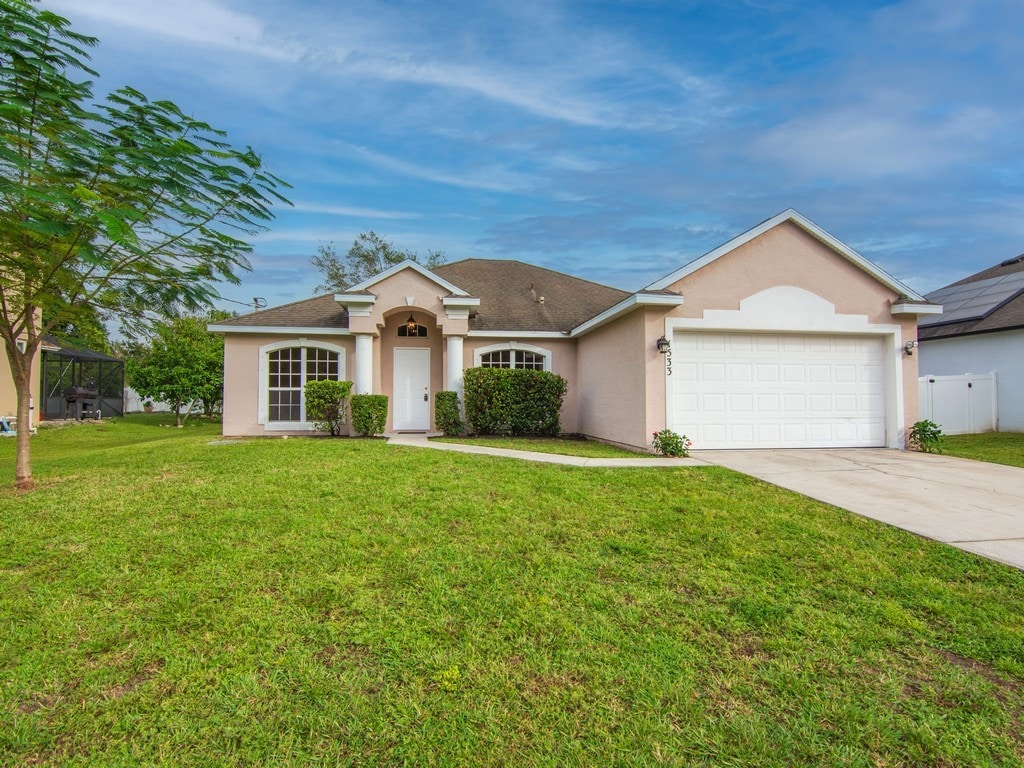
[(197, 22), (352, 211), (495, 178), (880, 138)]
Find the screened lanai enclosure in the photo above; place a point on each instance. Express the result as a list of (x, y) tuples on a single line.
[(80, 383)]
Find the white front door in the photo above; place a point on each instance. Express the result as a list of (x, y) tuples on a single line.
[(412, 389)]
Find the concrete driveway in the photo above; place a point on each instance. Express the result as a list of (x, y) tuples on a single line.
[(972, 505)]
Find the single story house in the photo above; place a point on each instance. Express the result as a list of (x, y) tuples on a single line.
[(783, 337), (981, 330)]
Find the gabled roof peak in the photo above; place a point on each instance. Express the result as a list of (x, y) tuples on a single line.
[(401, 266), (791, 215)]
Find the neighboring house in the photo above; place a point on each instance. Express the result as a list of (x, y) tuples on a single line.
[(8, 395), (782, 337), (981, 331)]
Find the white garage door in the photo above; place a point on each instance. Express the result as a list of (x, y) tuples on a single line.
[(735, 390)]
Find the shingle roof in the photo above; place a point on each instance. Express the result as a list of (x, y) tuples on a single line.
[(510, 294), (1004, 317), (318, 312)]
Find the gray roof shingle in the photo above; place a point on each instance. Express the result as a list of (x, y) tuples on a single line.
[(510, 295), (318, 312)]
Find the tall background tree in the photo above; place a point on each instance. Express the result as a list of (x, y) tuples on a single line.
[(182, 365), (370, 254), (125, 205)]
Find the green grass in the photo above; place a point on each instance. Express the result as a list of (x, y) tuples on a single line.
[(996, 447), (346, 602), (590, 449)]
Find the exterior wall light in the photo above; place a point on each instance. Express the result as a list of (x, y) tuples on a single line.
[(411, 324), (909, 347), (664, 346)]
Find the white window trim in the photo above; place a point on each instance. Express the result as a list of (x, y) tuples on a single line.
[(512, 345), (264, 382), (22, 345)]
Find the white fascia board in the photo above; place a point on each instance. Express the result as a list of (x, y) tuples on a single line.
[(409, 264), (808, 226), (913, 308), (627, 305), (355, 298), (460, 301), (279, 330), (518, 334)]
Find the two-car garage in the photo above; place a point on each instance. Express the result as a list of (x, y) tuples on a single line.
[(778, 390)]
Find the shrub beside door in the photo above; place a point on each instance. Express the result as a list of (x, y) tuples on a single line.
[(369, 414), (513, 401)]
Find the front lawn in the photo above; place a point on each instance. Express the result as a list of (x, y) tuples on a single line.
[(347, 602), (590, 449), (997, 447)]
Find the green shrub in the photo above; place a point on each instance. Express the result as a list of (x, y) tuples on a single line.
[(926, 436), (447, 417), (512, 401), (369, 414), (327, 404), (669, 443)]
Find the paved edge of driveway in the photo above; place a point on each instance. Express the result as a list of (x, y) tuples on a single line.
[(417, 441), (971, 505)]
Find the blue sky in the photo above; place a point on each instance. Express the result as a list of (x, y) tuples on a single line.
[(612, 140)]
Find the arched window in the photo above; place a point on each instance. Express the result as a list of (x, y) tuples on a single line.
[(415, 332), (285, 369), (514, 355)]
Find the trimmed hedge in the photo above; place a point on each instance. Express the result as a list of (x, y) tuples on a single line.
[(369, 414), (326, 402), (447, 417), (513, 401)]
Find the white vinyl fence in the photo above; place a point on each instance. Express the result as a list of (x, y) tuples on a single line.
[(961, 405)]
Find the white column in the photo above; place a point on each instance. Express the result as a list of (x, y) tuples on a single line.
[(454, 377), (364, 364)]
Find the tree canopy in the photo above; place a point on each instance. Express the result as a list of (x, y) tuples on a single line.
[(184, 363), (125, 205), (369, 255)]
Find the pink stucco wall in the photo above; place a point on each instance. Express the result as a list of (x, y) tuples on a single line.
[(785, 256), (612, 364), (241, 377)]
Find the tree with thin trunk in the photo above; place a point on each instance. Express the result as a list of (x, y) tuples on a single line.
[(124, 205)]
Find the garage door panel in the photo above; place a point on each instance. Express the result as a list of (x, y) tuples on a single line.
[(685, 371), (778, 390), (712, 371), (741, 403), (741, 372), (819, 374), (740, 343), (713, 403)]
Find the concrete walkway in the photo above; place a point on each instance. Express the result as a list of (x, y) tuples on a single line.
[(973, 505), (421, 441)]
